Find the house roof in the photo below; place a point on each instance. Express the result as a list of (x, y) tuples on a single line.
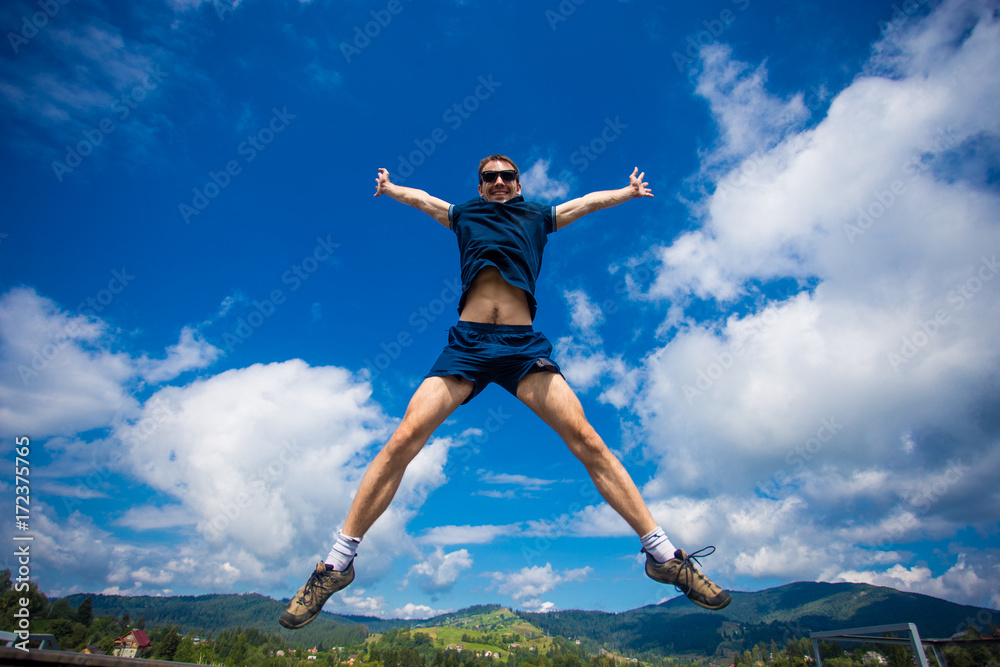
[(140, 637)]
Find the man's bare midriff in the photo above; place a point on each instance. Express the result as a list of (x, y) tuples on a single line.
[(493, 300)]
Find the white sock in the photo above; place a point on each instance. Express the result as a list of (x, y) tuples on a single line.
[(658, 545), (343, 551)]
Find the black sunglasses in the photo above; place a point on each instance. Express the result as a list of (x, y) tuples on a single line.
[(508, 175)]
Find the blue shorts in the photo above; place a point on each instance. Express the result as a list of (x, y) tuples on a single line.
[(501, 353)]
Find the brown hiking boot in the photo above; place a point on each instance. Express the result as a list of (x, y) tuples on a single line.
[(680, 572), (307, 603)]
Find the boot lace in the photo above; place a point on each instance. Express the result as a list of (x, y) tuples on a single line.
[(689, 561)]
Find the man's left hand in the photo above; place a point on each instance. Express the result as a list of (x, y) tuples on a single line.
[(382, 182)]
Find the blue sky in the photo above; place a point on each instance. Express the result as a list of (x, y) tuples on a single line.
[(209, 326)]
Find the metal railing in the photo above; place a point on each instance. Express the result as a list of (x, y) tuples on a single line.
[(865, 635)]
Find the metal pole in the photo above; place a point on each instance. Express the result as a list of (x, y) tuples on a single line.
[(819, 660), (918, 647)]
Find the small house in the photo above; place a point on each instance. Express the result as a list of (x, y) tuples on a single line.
[(132, 644)]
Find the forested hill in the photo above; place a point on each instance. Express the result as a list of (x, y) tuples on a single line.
[(674, 627), (678, 626), (210, 614)]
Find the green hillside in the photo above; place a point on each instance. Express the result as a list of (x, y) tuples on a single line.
[(823, 606), (210, 614), (486, 628), (675, 627), (483, 637), (679, 627)]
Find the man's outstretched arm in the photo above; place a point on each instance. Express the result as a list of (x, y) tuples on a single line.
[(418, 199), (575, 209)]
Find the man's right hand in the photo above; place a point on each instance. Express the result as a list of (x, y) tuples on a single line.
[(418, 199), (381, 181)]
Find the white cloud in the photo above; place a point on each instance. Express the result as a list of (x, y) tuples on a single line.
[(238, 457), (61, 374), (83, 81), (879, 221), (145, 575), (586, 365), (585, 315), (591, 521), (528, 483), (58, 376), (529, 584), (509, 494), (582, 357), (582, 365), (411, 611), (156, 518), (78, 491), (959, 582), (783, 212), (354, 601), (750, 119), (439, 571), (191, 352), (323, 77), (101, 560), (784, 559), (794, 537), (238, 451), (538, 185), (77, 543), (451, 535), (223, 7)]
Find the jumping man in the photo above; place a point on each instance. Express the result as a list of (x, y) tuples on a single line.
[(500, 240)]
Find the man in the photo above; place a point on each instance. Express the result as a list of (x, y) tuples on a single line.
[(500, 239)]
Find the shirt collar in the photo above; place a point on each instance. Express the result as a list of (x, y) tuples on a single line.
[(514, 200)]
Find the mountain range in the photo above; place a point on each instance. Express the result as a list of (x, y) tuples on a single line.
[(670, 628)]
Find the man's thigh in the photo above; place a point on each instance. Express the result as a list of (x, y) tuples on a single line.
[(435, 399), (551, 398)]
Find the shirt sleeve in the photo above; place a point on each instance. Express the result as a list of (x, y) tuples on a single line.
[(451, 218), (550, 223)]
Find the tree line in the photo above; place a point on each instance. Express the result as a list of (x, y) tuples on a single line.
[(798, 652)]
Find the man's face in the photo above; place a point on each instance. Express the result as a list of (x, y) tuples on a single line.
[(499, 190)]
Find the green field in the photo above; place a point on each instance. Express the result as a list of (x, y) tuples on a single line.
[(494, 631)]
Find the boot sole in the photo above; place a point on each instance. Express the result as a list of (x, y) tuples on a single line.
[(292, 625)]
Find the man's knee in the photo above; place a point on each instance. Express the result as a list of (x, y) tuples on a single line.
[(586, 443), (405, 443)]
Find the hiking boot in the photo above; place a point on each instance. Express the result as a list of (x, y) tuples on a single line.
[(307, 603), (682, 573)]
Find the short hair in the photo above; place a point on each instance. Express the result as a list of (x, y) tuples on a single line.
[(486, 160)]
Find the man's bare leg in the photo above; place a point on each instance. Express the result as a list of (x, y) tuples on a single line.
[(435, 399), (552, 399)]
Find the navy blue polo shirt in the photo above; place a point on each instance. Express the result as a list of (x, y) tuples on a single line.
[(508, 235)]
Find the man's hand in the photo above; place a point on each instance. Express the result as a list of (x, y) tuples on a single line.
[(381, 181), (638, 186), (418, 199)]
